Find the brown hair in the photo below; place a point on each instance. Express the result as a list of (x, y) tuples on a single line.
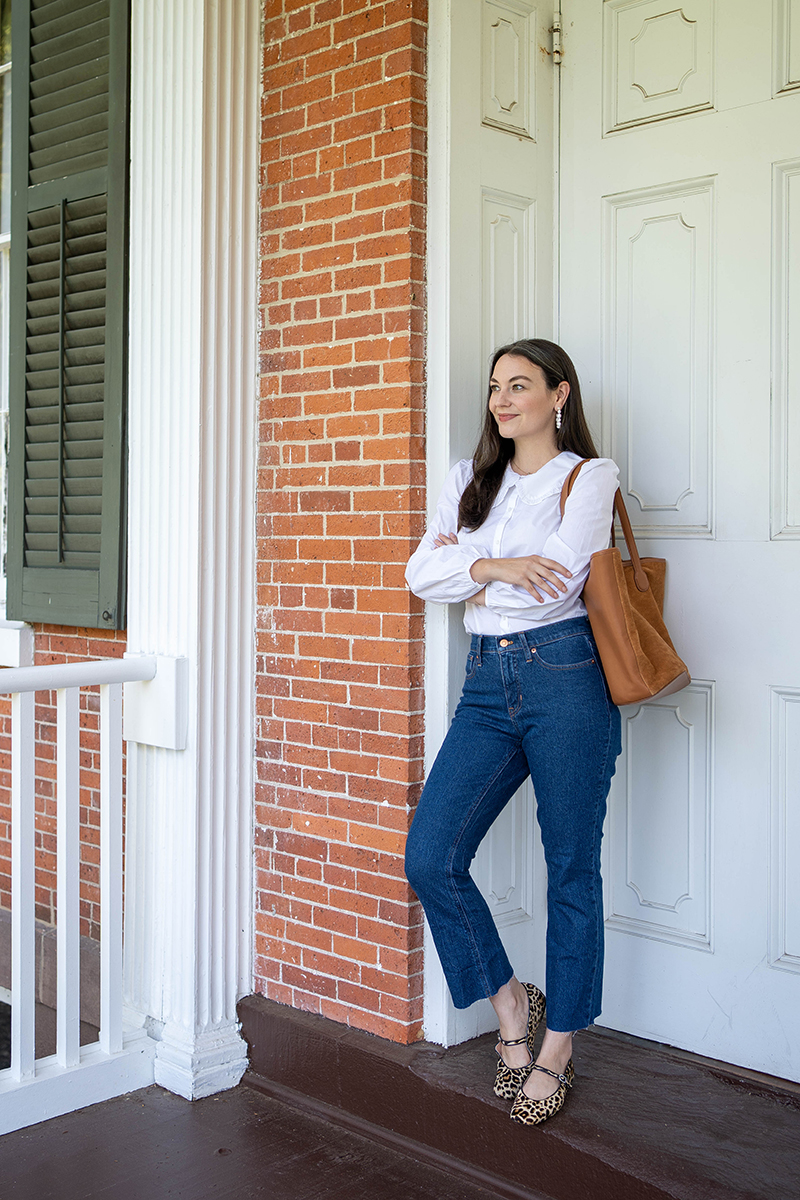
[(493, 453)]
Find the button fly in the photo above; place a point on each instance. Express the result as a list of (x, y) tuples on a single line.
[(504, 642)]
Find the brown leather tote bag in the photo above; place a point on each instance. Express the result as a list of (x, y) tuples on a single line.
[(624, 600)]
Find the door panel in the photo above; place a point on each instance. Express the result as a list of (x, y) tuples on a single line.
[(786, 352), (658, 351)]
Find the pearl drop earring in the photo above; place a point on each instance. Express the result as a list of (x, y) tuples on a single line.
[(558, 418)]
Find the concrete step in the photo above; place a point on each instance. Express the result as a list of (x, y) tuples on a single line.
[(644, 1121)]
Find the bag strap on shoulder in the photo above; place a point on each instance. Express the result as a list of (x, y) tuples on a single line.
[(639, 574)]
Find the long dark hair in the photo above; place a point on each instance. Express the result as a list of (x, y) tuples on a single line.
[(493, 452)]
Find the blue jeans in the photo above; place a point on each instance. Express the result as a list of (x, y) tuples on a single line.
[(533, 703)]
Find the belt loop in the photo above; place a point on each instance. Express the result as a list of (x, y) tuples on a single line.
[(526, 644)]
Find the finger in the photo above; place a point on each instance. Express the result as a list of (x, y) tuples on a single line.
[(547, 588), (556, 582), (534, 593), (554, 566)]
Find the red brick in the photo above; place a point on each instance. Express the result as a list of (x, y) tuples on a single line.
[(327, 61)]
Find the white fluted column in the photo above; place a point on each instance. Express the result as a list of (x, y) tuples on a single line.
[(194, 143)]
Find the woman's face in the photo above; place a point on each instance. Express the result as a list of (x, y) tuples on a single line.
[(520, 400)]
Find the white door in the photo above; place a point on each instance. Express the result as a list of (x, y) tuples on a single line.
[(680, 302), (491, 279)]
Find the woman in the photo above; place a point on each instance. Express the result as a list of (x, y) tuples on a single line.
[(534, 702)]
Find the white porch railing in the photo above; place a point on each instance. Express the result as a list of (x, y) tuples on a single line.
[(31, 1089)]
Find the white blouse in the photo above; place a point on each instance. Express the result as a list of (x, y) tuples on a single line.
[(524, 519)]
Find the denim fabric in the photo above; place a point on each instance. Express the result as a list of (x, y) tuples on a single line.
[(538, 705)]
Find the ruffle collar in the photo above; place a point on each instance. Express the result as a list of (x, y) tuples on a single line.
[(547, 481)]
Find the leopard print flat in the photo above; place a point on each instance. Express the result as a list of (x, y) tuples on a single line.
[(509, 1080), (527, 1111)]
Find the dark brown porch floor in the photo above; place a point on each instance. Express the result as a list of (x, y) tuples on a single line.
[(151, 1145)]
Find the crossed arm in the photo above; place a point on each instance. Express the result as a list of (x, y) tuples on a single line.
[(531, 572)]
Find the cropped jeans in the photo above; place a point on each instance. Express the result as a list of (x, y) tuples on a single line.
[(533, 703)]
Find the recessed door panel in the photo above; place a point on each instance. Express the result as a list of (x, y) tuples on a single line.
[(657, 395), (658, 60), (658, 867), (786, 351)]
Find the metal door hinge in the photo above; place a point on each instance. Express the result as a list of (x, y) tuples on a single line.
[(558, 49)]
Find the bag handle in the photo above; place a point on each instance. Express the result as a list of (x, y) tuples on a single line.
[(639, 574)]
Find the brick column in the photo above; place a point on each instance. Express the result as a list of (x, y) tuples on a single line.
[(340, 505)]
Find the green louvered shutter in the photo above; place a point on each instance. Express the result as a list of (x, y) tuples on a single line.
[(68, 312)]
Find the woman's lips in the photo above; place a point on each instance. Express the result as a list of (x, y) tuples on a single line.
[(506, 416)]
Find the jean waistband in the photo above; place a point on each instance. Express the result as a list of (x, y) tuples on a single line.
[(503, 643)]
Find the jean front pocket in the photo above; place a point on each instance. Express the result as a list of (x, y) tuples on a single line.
[(567, 653), (472, 664)]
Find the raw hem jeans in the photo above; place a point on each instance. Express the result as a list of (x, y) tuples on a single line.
[(533, 703)]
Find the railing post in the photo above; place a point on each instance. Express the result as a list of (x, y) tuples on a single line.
[(111, 867), (23, 930), (68, 876)]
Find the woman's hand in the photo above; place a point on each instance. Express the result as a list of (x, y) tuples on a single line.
[(531, 573)]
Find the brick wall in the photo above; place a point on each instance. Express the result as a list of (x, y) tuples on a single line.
[(340, 505), (55, 643)]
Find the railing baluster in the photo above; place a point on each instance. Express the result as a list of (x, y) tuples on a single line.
[(23, 930), (111, 867), (69, 875), (71, 1078)]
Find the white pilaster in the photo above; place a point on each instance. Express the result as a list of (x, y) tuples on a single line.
[(194, 143)]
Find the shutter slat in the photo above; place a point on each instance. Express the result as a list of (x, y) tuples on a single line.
[(52, 19), (77, 541), (52, 84), (74, 339), (74, 523), (78, 470), (44, 361), (74, 167), (57, 104), (59, 150), (89, 433), (94, 300), (83, 562), (55, 57), (52, 55), (73, 505), (75, 414), (83, 125), (70, 42), (66, 115), (83, 350)]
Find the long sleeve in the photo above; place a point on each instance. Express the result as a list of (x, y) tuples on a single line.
[(442, 573), (585, 528)]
